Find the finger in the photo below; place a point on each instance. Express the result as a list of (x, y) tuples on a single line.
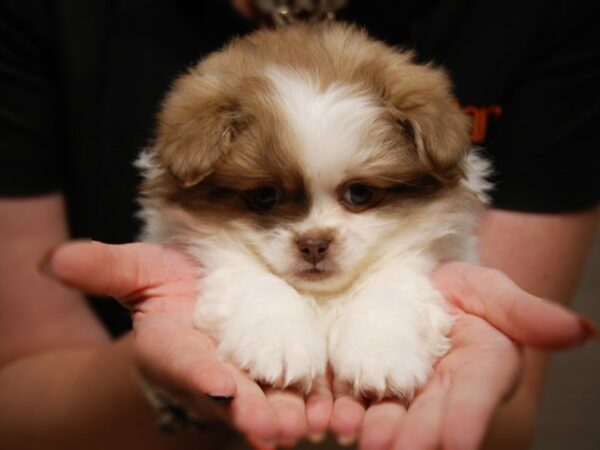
[(380, 423), (319, 405), (346, 418), (182, 360), (420, 428), (251, 412), (347, 415), (491, 295), (189, 369), (119, 271), (288, 406)]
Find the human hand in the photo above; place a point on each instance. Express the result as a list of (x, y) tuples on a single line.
[(482, 368), (158, 284)]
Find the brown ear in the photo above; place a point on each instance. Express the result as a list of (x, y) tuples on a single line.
[(420, 100), (199, 120)]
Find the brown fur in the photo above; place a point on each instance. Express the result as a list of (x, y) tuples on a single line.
[(219, 130)]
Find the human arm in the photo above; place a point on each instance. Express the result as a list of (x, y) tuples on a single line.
[(62, 380)]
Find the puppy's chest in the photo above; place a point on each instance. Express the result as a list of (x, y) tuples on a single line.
[(329, 307)]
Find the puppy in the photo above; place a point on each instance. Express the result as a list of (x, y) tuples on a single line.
[(318, 176)]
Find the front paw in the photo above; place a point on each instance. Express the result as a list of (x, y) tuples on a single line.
[(277, 351), (263, 326), (381, 358)]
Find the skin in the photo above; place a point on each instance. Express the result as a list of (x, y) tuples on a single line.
[(157, 284), (173, 354), (57, 362)]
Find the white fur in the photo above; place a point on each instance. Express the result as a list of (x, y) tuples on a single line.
[(317, 117), (377, 320)]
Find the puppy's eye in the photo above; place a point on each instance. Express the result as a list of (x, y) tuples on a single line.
[(359, 196), (262, 199)]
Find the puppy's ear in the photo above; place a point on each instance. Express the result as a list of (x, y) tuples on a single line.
[(420, 100), (199, 121)]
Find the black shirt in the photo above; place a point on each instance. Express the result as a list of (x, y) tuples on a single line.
[(81, 81)]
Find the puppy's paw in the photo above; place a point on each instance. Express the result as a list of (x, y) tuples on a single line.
[(382, 358), (367, 371), (280, 352), (263, 326)]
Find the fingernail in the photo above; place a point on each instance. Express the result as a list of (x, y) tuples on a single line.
[(346, 441), (316, 438), (588, 329), (44, 264), (221, 399)]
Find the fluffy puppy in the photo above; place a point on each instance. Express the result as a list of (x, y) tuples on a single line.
[(318, 176)]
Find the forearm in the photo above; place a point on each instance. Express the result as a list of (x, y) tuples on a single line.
[(83, 398), (543, 254)]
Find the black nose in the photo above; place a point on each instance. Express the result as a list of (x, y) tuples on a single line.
[(313, 249)]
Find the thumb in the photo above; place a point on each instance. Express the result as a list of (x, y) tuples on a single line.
[(119, 271), (493, 296)]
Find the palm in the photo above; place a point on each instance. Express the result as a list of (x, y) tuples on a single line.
[(158, 283), (477, 349), (468, 383), (471, 380)]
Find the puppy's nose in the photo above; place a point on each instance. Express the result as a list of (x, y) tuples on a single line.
[(314, 249)]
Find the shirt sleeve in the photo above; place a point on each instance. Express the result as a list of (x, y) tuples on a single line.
[(546, 145), (28, 108)]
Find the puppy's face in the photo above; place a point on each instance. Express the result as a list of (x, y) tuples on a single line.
[(317, 169)]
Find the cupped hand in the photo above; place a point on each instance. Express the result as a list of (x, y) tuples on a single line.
[(158, 284), (493, 316)]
